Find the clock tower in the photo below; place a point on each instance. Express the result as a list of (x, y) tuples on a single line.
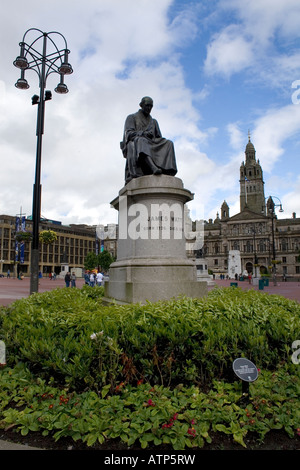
[(252, 195)]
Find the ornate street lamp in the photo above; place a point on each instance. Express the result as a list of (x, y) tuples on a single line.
[(43, 63), (271, 209), (253, 230)]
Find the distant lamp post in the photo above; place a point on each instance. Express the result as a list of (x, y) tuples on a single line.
[(43, 63), (255, 264), (271, 210)]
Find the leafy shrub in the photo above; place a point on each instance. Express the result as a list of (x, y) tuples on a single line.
[(47, 237), (180, 417), (70, 335)]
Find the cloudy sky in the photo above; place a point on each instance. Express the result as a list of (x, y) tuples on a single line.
[(215, 69)]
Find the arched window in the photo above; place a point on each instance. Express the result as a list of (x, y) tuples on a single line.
[(236, 245), (249, 247)]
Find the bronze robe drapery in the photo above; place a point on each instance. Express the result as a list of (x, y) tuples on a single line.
[(142, 137)]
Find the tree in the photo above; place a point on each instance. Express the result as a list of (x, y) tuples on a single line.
[(104, 260), (91, 261)]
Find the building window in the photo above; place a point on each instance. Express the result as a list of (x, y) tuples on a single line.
[(236, 245), (248, 247), (216, 262), (235, 230)]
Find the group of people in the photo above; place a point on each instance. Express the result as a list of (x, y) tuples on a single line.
[(70, 279), (93, 279), (90, 279)]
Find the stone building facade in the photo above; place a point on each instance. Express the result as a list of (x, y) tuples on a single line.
[(263, 242), (73, 243)]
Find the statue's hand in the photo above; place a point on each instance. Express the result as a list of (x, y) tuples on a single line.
[(148, 134)]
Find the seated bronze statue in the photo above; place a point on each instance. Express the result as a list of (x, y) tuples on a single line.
[(145, 150)]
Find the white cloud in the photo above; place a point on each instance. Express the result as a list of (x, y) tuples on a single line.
[(253, 40), (264, 18), (122, 50), (291, 200), (229, 52), (236, 136), (271, 132)]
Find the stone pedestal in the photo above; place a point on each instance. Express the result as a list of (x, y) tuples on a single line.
[(64, 270), (234, 263), (151, 262), (202, 271)]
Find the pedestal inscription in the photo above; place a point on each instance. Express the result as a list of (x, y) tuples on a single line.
[(152, 263)]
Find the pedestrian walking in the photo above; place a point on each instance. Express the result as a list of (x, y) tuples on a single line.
[(92, 280), (99, 279), (67, 279)]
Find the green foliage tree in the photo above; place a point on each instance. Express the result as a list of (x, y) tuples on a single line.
[(91, 261), (104, 260)]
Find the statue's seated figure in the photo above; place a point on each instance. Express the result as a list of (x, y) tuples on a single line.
[(145, 150)]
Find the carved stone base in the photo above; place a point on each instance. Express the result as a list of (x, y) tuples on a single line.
[(152, 264)]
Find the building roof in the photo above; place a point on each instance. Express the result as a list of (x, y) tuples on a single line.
[(247, 214)]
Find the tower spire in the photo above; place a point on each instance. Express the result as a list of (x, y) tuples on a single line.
[(251, 181)]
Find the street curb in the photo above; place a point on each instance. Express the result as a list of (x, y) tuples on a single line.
[(5, 445)]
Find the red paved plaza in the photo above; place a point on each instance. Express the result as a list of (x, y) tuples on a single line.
[(13, 289)]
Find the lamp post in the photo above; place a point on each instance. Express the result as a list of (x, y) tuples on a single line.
[(43, 63), (271, 209), (253, 230)]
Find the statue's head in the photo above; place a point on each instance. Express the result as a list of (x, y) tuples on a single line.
[(146, 104)]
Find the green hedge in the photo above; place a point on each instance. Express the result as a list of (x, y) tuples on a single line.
[(69, 335)]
